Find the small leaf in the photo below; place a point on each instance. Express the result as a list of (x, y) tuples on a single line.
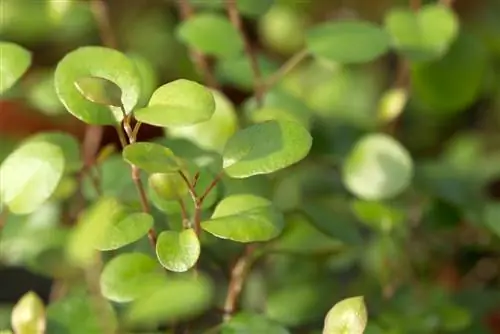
[(245, 218), (211, 34), (126, 231), (168, 186), (15, 61), (250, 323), (153, 158), (180, 299), (348, 42), (129, 276), (28, 316), (391, 104), (30, 175), (347, 316), (378, 167), (178, 103), (265, 148), (178, 251), (100, 90), (104, 63)]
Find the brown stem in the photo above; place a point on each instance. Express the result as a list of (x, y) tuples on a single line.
[(185, 218), (448, 3), (235, 18), (211, 186), (239, 274), (101, 15), (415, 4), (289, 65), (200, 61)]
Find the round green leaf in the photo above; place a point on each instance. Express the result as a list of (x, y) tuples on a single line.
[(378, 167), (245, 218), (68, 144), (28, 315), (347, 42), (211, 34), (15, 61), (99, 90), (250, 323), (151, 157), (104, 63), (180, 298), (30, 175), (214, 133), (265, 148), (129, 276), (168, 186), (178, 251), (425, 34), (126, 231), (178, 103), (347, 316)]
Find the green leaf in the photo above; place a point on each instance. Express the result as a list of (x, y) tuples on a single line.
[(347, 42), (30, 175), (153, 158), (178, 103), (180, 299), (245, 218), (423, 35), (100, 90), (214, 133), (178, 251), (15, 62), (211, 34), (28, 316), (392, 104), (250, 323), (129, 276), (126, 231), (168, 186), (347, 316), (265, 148), (378, 215), (491, 217), (378, 167), (91, 229), (67, 143), (104, 63), (252, 8)]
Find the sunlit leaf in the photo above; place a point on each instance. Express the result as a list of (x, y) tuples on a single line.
[(151, 157), (124, 231), (347, 316), (168, 186), (14, 60), (392, 104), (178, 251), (28, 316)]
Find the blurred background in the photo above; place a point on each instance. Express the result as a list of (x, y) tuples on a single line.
[(450, 244)]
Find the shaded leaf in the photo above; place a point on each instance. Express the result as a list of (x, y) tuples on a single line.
[(168, 186), (15, 62), (125, 231), (99, 90), (250, 323), (151, 157), (347, 316), (178, 251)]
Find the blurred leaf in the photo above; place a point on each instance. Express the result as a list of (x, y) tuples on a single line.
[(347, 42), (68, 144), (168, 186), (150, 157), (104, 63), (178, 251), (15, 62), (41, 93), (265, 148), (125, 231), (245, 218), (28, 316), (423, 35), (30, 175), (347, 316), (211, 34), (178, 103), (378, 167), (250, 323), (187, 297), (492, 217), (129, 276), (392, 104), (99, 90), (253, 8), (378, 215)]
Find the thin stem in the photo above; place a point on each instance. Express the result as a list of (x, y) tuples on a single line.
[(121, 136), (191, 189), (289, 65), (135, 132), (185, 218), (196, 178), (239, 274), (101, 15), (211, 186), (136, 177), (235, 18)]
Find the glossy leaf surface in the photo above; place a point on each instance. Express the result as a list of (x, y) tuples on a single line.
[(178, 251)]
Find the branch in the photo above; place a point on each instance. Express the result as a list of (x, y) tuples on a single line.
[(235, 18), (289, 65), (101, 15)]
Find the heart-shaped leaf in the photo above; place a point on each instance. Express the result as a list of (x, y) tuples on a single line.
[(211, 34), (151, 157), (15, 61), (100, 90), (30, 175), (245, 218), (348, 42), (126, 231), (178, 251), (347, 316), (105, 64), (265, 148), (178, 103), (28, 315), (378, 167), (129, 276), (422, 35)]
